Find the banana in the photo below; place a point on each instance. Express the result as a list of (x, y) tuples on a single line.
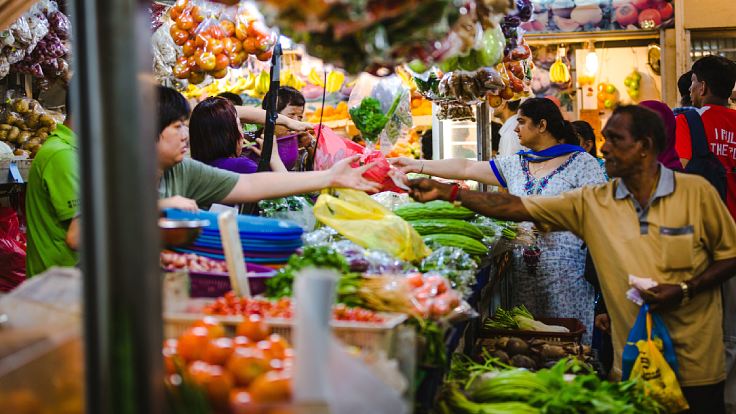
[(334, 81), (315, 78), (558, 72), (263, 81)]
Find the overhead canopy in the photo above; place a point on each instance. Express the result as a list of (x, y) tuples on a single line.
[(11, 10)]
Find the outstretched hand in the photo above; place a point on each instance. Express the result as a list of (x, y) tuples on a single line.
[(345, 176), (406, 165), (424, 189)]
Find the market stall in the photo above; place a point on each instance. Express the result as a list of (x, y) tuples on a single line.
[(323, 294)]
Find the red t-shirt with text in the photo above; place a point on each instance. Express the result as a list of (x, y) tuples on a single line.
[(720, 130)]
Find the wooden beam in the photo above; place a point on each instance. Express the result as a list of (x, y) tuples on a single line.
[(682, 39)]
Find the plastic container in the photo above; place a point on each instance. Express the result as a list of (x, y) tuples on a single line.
[(212, 285), (577, 329)]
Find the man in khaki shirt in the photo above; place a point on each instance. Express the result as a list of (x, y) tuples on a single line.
[(649, 222)]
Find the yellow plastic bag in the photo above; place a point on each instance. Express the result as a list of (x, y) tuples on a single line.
[(652, 368), (362, 220)]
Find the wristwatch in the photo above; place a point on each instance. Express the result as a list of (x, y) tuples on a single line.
[(685, 293)]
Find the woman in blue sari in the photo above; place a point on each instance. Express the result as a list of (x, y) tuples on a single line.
[(547, 278)]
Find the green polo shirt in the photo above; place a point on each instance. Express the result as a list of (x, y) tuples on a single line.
[(52, 200), (200, 182)]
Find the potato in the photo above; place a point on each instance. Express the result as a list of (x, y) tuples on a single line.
[(516, 346), (3, 135), (33, 120), (5, 127), (33, 142), (47, 121), (42, 135), (21, 106), (13, 134), (23, 137)]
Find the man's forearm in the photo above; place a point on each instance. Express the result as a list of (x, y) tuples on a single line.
[(498, 205), (713, 277)]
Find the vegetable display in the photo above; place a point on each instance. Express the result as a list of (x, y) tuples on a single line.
[(25, 125), (566, 387), (425, 297), (191, 262), (454, 264), (446, 226), (436, 209), (209, 372), (230, 304), (471, 246), (210, 39), (520, 318)]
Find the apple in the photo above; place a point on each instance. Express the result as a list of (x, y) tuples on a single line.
[(626, 15), (640, 4), (650, 19), (610, 89)]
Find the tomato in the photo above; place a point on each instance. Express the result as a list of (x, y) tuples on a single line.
[(174, 13), (214, 327), (180, 36), (206, 61), (189, 47), (228, 28), (240, 401), (507, 93), (246, 364), (219, 74), (250, 45), (279, 345), (215, 45), (241, 31), (182, 70), (218, 351), (201, 40), (186, 21), (415, 280), (273, 387), (218, 386), (192, 343), (197, 15), (265, 56), (253, 327)]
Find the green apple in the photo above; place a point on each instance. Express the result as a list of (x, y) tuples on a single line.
[(491, 48), (417, 66), (610, 88), (449, 64)]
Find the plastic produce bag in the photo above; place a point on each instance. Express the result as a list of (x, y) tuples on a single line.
[(386, 91), (650, 355), (359, 218), (294, 208), (12, 251)]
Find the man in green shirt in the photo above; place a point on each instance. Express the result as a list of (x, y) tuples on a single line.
[(52, 202)]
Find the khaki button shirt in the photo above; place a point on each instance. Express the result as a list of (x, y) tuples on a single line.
[(677, 236)]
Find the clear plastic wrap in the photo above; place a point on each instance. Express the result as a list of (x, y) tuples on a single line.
[(395, 105), (21, 32), (293, 208), (164, 51), (24, 123), (454, 264), (391, 200)]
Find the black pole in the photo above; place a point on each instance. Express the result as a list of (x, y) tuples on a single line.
[(114, 115), (271, 102)]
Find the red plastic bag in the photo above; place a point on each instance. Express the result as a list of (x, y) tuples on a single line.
[(12, 251), (331, 148)]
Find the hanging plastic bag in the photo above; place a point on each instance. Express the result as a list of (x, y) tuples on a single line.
[(12, 251), (361, 219), (332, 148), (294, 208), (650, 355)]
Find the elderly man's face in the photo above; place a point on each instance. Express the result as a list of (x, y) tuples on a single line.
[(622, 152)]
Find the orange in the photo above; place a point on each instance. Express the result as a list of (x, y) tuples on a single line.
[(272, 387), (218, 351), (253, 327), (246, 364), (192, 343)]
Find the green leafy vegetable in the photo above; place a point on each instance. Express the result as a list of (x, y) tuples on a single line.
[(369, 118)]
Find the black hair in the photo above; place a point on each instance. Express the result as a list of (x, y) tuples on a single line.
[(644, 123), (172, 107), (232, 97), (542, 108), (683, 85), (586, 133), (718, 73), (213, 130), (287, 96), (513, 105)]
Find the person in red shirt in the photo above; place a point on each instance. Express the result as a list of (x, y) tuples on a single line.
[(713, 79)]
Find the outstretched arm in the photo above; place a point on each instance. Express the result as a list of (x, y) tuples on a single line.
[(453, 168), (498, 205), (260, 186)]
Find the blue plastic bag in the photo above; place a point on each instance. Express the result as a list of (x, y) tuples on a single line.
[(639, 333)]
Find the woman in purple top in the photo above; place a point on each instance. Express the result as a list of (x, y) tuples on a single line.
[(216, 138)]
